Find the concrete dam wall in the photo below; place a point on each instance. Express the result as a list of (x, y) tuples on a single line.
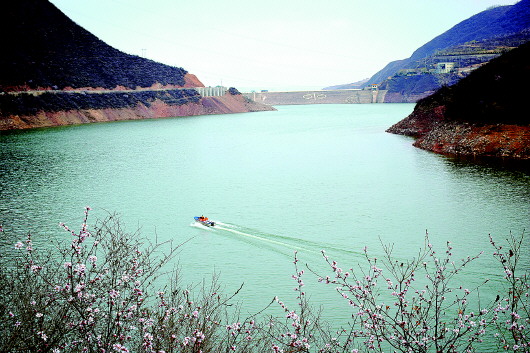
[(343, 96)]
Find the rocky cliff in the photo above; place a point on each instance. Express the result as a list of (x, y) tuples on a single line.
[(484, 114)]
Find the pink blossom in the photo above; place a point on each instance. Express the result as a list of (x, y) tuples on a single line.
[(42, 335), (118, 347), (79, 287), (80, 269), (292, 315), (19, 245)]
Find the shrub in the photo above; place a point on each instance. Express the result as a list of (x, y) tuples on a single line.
[(233, 91), (513, 311), (101, 292), (89, 295), (28, 104)]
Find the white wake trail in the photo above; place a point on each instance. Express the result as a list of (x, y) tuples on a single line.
[(264, 239)]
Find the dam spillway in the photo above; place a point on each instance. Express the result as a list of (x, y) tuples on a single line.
[(343, 96)]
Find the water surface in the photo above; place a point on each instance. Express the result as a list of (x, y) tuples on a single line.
[(303, 178)]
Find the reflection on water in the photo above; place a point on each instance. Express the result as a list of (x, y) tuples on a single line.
[(497, 165)]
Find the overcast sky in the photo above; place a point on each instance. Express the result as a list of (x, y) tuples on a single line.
[(273, 44)]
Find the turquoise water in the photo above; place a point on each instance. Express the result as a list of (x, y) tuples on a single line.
[(302, 178)]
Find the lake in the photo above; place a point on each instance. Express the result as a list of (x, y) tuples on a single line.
[(303, 178)]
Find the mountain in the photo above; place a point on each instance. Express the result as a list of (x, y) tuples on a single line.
[(43, 49), (496, 21), (422, 77), (54, 72), (353, 85), (493, 23), (481, 115)]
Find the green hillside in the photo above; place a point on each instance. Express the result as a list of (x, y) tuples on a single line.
[(483, 115), (494, 93), (43, 48)]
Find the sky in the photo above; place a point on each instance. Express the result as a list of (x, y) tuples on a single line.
[(273, 44)]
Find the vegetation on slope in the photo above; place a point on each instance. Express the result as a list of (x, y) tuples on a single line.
[(96, 291), (503, 27), (43, 48), (421, 77), (481, 115), (496, 93), (491, 23), (30, 104)]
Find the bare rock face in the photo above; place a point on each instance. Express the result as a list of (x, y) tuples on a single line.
[(436, 134), (192, 81)]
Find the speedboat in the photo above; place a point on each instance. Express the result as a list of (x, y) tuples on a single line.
[(204, 221)]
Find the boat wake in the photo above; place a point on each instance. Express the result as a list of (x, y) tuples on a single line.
[(265, 239), (202, 226), (274, 240)]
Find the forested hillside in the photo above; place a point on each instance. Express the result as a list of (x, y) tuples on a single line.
[(495, 93), (482, 114), (43, 48)]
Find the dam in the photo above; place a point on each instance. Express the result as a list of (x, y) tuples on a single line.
[(343, 96)]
